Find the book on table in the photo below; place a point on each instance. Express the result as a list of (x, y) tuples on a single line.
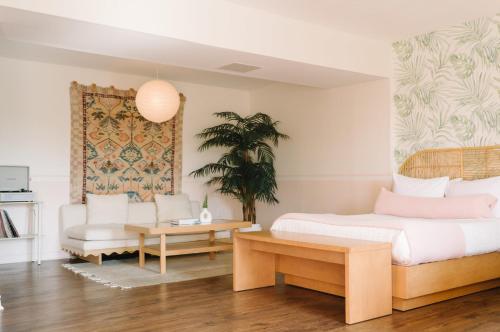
[(185, 222)]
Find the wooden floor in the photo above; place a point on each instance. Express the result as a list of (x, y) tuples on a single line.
[(50, 298)]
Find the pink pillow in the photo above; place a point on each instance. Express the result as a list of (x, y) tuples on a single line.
[(458, 207)]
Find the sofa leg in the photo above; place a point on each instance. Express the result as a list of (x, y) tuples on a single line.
[(96, 259)]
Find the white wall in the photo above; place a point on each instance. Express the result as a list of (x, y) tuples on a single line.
[(338, 156), (35, 131), (336, 160)]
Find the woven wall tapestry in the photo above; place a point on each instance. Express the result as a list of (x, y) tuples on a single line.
[(115, 150)]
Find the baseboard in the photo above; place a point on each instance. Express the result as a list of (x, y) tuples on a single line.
[(46, 256)]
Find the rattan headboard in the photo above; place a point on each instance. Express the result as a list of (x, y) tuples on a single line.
[(468, 163)]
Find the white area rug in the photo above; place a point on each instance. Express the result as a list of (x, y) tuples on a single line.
[(126, 273)]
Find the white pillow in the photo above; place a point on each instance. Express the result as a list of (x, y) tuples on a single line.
[(482, 186), (435, 187), (107, 209), (171, 207)]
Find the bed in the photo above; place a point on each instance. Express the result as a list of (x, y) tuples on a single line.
[(480, 236), (424, 274)]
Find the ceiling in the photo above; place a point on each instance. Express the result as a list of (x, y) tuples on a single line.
[(33, 52), (56, 39), (305, 48), (381, 19)]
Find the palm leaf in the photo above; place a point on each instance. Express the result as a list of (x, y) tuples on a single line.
[(471, 32), (412, 128), (411, 72), (230, 116)]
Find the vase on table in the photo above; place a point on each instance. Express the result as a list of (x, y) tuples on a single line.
[(205, 216)]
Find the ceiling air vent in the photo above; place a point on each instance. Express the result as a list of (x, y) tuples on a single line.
[(239, 67)]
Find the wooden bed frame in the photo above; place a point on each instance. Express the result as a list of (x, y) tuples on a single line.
[(419, 285), (423, 284)]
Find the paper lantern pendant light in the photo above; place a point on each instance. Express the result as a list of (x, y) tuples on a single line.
[(157, 101)]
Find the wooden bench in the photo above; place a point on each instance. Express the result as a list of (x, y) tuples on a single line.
[(358, 270)]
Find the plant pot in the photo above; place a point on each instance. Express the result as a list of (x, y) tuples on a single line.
[(253, 228), (205, 216)]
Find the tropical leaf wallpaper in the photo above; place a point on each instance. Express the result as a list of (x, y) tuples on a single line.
[(447, 88)]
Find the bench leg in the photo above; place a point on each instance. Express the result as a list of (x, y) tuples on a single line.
[(251, 269), (368, 287)]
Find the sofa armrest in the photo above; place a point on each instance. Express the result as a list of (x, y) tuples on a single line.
[(72, 215)]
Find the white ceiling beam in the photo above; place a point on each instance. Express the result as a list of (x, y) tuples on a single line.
[(226, 25)]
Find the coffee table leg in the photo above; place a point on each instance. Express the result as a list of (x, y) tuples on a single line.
[(211, 240), (163, 256), (142, 255)]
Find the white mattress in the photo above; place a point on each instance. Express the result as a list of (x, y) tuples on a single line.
[(481, 236)]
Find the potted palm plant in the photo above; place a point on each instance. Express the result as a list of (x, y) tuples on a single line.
[(246, 169)]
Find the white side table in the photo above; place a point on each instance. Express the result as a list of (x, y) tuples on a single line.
[(34, 232)]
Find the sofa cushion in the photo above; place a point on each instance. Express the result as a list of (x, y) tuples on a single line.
[(81, 245), (73, 214), (99, 232), (171, 207), (141, 213), (107, 209)]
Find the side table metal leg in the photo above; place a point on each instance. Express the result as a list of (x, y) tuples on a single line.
[(33, 229), (39, 234)]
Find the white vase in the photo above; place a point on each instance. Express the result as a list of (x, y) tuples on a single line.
[(205, 216)]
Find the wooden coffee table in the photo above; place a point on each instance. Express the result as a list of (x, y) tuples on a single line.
[(195, 247)]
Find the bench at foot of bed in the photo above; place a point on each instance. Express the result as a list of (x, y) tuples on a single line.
[(358, 270)]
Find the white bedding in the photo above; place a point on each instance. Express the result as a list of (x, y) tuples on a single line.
[(481, 236)]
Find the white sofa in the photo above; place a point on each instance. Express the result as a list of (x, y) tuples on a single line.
[(91, 241)]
